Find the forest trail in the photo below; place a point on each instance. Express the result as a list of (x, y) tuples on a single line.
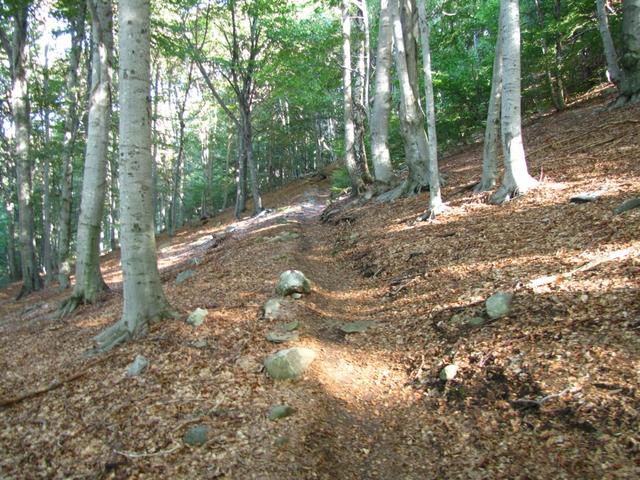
[(372, 405)]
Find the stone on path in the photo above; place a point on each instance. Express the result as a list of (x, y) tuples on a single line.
[(628, 205), (356, 327), (586, 197), (197, 435), (184, 276), (290, 363), (136, 367), (475, 321), (282, 337), (449, 372), (280, 411), (197, 317), (296, 296), (292, 281), (291, 326), (499, 304), (273, 309)]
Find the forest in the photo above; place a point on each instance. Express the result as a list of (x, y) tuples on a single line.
[(431, 205)]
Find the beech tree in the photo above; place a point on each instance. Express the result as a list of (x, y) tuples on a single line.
[(613, 69), (144, 300), (89, 281), (516, 178), (630, 53), (15, 47)]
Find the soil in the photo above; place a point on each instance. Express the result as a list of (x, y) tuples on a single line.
[(549, 391)]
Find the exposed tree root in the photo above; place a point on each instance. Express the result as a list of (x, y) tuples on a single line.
[(69, 306)]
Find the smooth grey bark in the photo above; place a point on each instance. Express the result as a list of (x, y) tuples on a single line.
[(7, 181), (411, 115), (613, 70), (155, 140), (380, 156), (71, 124), (144, 300), (16, 49), (516, 179), (436, 206), (48, 261), (630, 53), (492, 129), (360, 98), (88, 280), (225, 192), (367, 54)]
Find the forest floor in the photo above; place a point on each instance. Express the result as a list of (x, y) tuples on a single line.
[(550, 391)]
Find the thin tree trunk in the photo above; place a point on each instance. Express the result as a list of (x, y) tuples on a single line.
[(630, 59), (19, 99), (144, 300), (47, 238), (560, 90), (436, 206), (71, 124), (516, 179), (381, 158), (89, 281), (227, 163), (247, 134), (155, 139), (361, 98), (241, 191), (9, 208), (613, 70), (492, 129)]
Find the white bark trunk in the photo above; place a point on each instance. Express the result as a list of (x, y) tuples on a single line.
[(381, 157), (613, 70), (516, 179), (89, 281), (144, 300), (492, 129), (436, 205)]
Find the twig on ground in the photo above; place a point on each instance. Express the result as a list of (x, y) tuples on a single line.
[(152, 454), (538, 402)]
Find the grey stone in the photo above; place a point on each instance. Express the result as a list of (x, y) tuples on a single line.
[(136, 367), (273, 309), (200, 344), (184, 276), (197, 317), (628, 205), (296, 296), (291, 326), (449, 372), (282, 337), (281, 411), (356, 327), (197, 435), (499, 304), (475, 321), (290, 363), (292, 281), (586, 197)]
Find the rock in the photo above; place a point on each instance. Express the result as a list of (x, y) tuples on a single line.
[(290, 363), (296, 296), (197, 317), (200, 344), (136, 367), (273, 309), (356, 327), (499, 304), (586, 197), (184, 276), (282, 337), (449, 372), (475, 322), (197, 435), (628, 205), (291, 326), (292, 281), (281, 411)]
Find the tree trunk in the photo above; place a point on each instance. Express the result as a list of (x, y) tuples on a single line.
[(17, 53), (630, 59), (6, 188), (492, 129), (361, 99), (225, 191), (247, 134), (241, 191), (561, 93), (89, 281), (72, 99), (144, 300), (516, 179), (381, 158), (613, 70), (155, 140), (411, 116), (436, 206), (48, 260)]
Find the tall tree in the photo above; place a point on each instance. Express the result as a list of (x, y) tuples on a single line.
[(516, 178), (630, 59), (89, 281), (16, 50), (613, 70), (144, 300), (379, 124)]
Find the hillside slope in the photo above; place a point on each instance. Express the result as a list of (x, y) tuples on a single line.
[(549, 391)]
